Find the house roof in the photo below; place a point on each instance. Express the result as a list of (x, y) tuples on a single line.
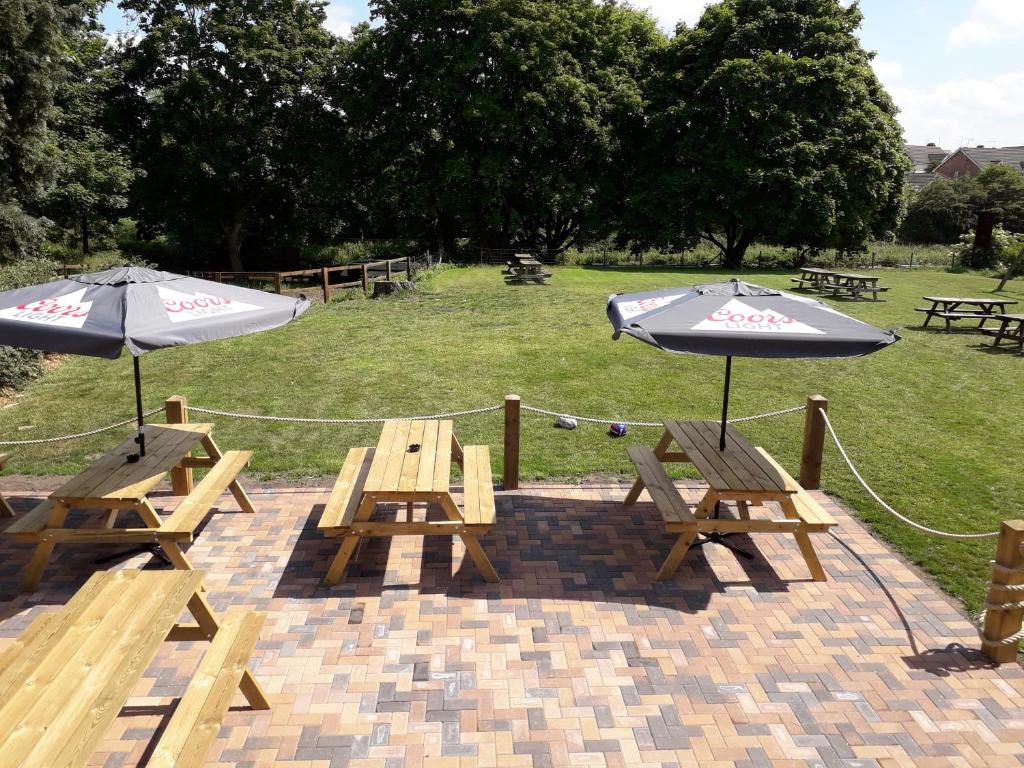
[(918, 181), (923, 155), (984, 156)]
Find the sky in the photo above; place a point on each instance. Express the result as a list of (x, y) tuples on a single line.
[(953, 66)]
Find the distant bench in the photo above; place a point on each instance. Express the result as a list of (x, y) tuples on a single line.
[(949, 309)]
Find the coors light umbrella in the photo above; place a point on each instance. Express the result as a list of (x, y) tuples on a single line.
[(100, 313), (737, 319)]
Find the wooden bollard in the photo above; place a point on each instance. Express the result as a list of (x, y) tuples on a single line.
[(365, 280), (814, 442), (176, 412), (510, 478), (387, 266), (1008, 570), (325, 275)]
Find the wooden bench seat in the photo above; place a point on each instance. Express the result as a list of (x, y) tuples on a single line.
[(343, 503), (478, 487), (190, 513), (197, 718), (28, 526), (673, 508), (815, 518)]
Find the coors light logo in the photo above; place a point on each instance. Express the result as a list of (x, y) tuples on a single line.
[(183, 307), (741, 318), (67, 311)]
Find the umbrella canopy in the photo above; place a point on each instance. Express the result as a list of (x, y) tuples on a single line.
[(737, 319), (101, 313)]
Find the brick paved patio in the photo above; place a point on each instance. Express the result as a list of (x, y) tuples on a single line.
[(577, 658)]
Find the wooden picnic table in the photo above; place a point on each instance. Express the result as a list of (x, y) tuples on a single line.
[(851, 284), (949, 308), (65, 680), (812, 276), (115, 485), (742, 473), (5, 508), (1011, 329), (524, 268), (412, 464)]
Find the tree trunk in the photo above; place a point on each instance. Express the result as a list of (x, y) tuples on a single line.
[(233, 235), (735, 250), (85, 236), (983, 234)]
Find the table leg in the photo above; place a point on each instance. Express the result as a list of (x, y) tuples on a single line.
[(457, 451), (5, 508), (744, 510), (675, 557), (930, 314), (348, 545), (999, 337), (111, 520), (207, 620), (638, 487), (472, 545), (803, 540), (236, 489), (36, 566)]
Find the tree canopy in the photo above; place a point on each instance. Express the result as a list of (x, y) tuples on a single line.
[(768, 122)]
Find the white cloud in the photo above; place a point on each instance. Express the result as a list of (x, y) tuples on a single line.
[(339, 18), (889, 72), (990, 20), (969, 111)]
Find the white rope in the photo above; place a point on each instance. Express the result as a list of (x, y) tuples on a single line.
[(304, 420), (599, 420), (889, 509), (1011, 640), (90, 433)]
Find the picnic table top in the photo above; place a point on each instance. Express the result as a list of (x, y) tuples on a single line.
[(740, 467), (113, 477), (397, 469), (1010, 317), (961, 300), (815, 271), (67, 677), (855, 276)]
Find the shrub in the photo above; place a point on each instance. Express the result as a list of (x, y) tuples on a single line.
[(19, 366)]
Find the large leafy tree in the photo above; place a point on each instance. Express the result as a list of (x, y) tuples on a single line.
[(32, 34), (222, 103), (938, 213), (770, 124), (93, 172), (501, 120)]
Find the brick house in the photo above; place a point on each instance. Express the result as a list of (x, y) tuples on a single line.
[(970, 161), (925, 157)]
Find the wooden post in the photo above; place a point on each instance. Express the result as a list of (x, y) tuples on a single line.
[(277, 282), (176, 412), (510, 481), (408, 268), (387, 265), (366, 280), (1008, 570), (814, 442), (326, 276)]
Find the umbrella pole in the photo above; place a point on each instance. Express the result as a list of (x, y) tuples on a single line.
[(725, 401), (141, 437)]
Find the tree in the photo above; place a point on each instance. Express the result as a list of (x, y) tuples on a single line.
[(31, 66), (93, 173), (501, 120), (222, 103), (769, 123), (997, 198), (938, 213)]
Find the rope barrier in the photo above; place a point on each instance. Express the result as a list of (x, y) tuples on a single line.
[(374, 420), (599, 420), (889, 509), (79, 435)]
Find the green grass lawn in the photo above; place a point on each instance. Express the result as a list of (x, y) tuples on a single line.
[(933, 422)]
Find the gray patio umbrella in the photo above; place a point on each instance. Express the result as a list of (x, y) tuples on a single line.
[(101, 313), (737, 319)]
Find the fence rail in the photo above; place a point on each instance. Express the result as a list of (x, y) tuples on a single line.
[(324, 277)]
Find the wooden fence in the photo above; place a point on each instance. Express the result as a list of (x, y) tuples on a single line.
[(326, 278)]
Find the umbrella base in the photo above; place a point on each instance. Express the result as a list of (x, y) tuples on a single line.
[(721, 539), (153, 549)]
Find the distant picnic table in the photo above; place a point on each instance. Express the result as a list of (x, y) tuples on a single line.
[(1011, 329), (839, 283), (524, 268), (951, 308)]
